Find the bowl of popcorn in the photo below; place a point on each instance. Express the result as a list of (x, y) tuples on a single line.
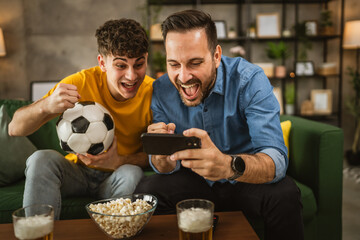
[(123, 217)]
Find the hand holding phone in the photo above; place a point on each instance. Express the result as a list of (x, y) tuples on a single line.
[(167, 144)]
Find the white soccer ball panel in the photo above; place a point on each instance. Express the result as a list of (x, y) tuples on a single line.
[(96, 132), (102, 107), (93, 113), (79, 143), (73, 113), (108, 139), (64, 130)]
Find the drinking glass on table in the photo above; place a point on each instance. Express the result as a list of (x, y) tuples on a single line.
[(195, 219), (35, 222)]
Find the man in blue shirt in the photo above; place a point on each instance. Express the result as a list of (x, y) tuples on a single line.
[(228, 103)]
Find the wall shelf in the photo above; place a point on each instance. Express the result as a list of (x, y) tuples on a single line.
[(244, 18)]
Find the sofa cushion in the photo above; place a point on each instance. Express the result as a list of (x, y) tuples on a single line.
[(11, 198), (13, 153), (47, 131), (285, 127), (308, 201)]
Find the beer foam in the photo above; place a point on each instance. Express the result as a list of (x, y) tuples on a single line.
[(33, 227), (195, 220)]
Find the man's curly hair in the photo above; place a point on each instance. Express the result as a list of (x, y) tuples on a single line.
[(122, 37)]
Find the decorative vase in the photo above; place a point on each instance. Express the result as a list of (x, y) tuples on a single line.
[(251, 32), (280, 71), (155, 32), (353, 158), (289, 109), (232, 34)]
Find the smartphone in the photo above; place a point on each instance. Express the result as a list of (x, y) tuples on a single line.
[(167, 144)]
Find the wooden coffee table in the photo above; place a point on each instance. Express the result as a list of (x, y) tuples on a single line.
[(231, 225)]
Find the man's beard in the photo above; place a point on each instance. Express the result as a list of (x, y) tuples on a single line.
[(203, 94)]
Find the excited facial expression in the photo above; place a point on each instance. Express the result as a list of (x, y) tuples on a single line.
[(124, 75), (190, 65)]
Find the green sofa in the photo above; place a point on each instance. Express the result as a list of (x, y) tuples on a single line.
[(316, 163), (316, 153)]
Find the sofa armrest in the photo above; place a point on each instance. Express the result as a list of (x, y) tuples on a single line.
[(316, 159)]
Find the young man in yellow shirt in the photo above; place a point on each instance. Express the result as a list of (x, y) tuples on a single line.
[(121, 85)]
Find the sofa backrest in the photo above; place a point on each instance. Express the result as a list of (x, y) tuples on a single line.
[(46, 136)]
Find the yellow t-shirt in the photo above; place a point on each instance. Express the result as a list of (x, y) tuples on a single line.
[(131, 117)]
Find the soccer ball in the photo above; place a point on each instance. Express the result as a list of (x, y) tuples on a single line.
[(88, 127)]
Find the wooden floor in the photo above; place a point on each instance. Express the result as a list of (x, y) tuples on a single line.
[(351, 204)]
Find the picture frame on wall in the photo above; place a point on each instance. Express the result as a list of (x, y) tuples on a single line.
[(305, 68), (311, 27), (268, 25), (278, 95), (221, 29), (322, 101)]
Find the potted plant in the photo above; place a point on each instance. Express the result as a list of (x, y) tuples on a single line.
[(290, 98), (353, 105), (305, 43), (159, 63), (232, 33), (251, 31), (279, 52), (326, 24)]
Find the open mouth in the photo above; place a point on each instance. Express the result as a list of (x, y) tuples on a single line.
[(190, 90), (129, 86)]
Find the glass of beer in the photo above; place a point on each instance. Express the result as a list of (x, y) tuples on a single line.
[(195, 219), (35, 222)]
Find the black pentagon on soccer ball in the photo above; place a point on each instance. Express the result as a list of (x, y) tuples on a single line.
[(65, 146), (80, 125), (84, 103), (108, 121), (96, 148)]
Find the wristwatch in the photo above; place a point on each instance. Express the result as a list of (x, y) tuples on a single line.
[(238, 167)]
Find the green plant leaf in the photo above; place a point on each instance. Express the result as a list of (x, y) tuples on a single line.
[(277, 51)]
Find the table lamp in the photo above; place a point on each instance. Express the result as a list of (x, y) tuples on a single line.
[(2, 44), (352, 38)]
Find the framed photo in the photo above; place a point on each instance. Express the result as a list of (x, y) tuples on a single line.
[(304, 68), (311, 28), (267, 25), (268, 68), (38, 89), (221, 29), (322, 101), (278, 95)]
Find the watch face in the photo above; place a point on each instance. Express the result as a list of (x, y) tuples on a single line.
[(239, 164)]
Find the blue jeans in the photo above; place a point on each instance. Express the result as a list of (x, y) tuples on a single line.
[(49, 177)]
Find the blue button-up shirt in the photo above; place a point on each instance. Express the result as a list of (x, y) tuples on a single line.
[(241, 113)]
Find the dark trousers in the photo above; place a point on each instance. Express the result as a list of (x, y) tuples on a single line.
[(278, 204)]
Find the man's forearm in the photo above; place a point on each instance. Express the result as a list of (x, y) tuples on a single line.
[(260, 168), (28, 119), (140, 159)]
